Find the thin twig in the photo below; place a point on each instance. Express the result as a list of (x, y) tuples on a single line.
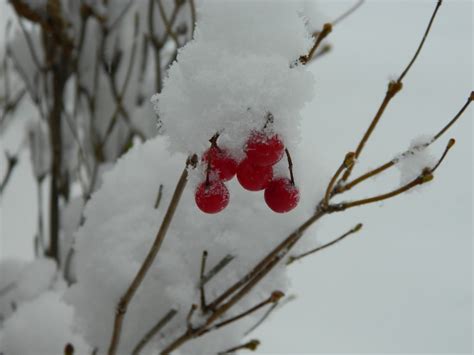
[(153, 331), (201, 283), (216, 269), (251, 345), (149, 259), (158, 197), (450, 144), (274, 298), (292, 258), (347, 13), (393, 88)]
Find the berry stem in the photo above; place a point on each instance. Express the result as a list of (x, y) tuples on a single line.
[(213, 141), (290, 166), (270, 119)]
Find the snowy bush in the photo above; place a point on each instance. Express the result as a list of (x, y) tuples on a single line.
[(139, 268)]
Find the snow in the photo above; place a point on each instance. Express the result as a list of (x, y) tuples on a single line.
[(417, 157), (228, 80), (120, 224), (22, 282), (42, 326)]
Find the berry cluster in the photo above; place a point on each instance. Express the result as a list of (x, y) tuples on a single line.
[(254, 172)]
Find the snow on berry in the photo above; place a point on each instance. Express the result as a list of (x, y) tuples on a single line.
[(212, 196), (221, 162), (264, 149), (235, 72), (281, 195)]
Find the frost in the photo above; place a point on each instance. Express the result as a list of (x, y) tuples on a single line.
[(412, 162)]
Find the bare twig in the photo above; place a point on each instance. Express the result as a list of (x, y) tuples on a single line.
[(393, 88), (139, 277), (12, 162), (251, 345), (349, 185), (292, 258), (216, 269), (153, 331), (201, 283), (158, 197)]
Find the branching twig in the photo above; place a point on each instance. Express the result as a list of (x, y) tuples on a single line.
[(393, 88)]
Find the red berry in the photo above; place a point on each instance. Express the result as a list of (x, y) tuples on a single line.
[(264, 150), (281, 195), (254, 178), (221, 162), (212, 197)]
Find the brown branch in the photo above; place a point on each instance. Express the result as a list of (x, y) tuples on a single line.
[(139, 277), (153, 331), (292, 258), (425, 177), (290, 166), (345, 187), (393, 88)]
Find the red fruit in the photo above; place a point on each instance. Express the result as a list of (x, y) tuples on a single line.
[(264, 150), (254, 178), (281, 195), (212, 197), (221, 162)]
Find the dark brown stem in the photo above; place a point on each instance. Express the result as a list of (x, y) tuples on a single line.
[(12, 162), (158, 197), (201, 283), (290, 166), (252, 345), (139, 277)]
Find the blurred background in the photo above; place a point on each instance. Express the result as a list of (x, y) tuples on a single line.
[(404, 283)]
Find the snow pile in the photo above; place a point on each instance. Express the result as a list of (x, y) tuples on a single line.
[(234, 73), (22, 282), (227, 80), (41, 327)]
